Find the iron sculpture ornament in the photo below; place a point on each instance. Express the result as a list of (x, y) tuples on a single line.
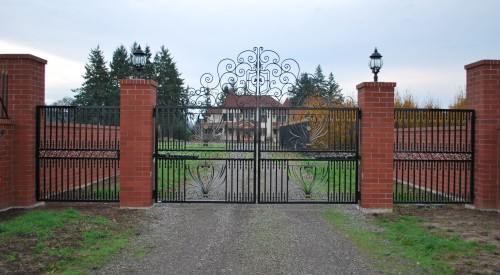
[(254, 75)]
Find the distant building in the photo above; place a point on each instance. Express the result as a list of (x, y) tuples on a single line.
[(237, 121)]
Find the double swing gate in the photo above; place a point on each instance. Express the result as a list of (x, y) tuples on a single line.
[(239, 140), (248, 155)]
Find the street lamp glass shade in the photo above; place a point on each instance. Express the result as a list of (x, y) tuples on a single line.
[(376, 62), (139, 58)]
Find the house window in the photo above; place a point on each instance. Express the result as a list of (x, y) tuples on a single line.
[(248, 114)]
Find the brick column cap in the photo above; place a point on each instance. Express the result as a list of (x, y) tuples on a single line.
[(376, 84), (138, 82), (482, 62), (23, 56)]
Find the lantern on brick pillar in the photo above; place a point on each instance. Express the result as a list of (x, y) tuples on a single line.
[(139, 60), (375, 64)]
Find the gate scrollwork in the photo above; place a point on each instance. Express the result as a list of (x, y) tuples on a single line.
[(255, 73)]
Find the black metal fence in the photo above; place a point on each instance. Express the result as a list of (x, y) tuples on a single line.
[(4, 95), (78, 153), (433, 156)]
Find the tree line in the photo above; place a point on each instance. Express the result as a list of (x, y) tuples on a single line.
[(101, 88), (409, 101)]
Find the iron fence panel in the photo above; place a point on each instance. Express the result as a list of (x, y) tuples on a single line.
[(433, 156), (77, 153)]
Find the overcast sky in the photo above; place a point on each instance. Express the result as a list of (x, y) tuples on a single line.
[(425, 43)]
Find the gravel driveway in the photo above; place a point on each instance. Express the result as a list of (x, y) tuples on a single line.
[(238, 239)]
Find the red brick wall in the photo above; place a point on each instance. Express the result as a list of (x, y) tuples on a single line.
[(26, 90), (483, 95), (137, 99), (376, 101)]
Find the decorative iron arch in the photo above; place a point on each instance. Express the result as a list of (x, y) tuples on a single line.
[(253, 77)]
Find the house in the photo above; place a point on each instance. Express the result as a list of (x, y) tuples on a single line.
[(235, 119)]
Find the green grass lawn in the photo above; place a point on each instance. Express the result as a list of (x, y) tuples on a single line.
[(68, 242)]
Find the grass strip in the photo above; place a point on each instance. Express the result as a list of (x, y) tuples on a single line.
[(398, 244)]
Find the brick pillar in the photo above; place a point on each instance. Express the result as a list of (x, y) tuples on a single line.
[(137, 99), (483, 95), (376, 101), (26, 91)]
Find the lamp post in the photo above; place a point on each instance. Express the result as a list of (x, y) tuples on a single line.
[(375, 64), (139, 60)]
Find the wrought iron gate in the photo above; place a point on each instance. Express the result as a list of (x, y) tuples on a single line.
[(240, 140)]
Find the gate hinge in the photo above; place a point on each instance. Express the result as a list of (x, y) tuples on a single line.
[(154, 111), (154, 194)]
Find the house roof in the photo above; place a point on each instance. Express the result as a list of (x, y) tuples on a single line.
[(233, 100)]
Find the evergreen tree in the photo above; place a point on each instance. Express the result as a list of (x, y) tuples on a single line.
[(121, 68), (333, 91), (170, 85), (316, 85), (318, 80), (97, 89), (303, 88)]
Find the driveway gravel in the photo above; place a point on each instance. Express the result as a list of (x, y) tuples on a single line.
[(238, 239)]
